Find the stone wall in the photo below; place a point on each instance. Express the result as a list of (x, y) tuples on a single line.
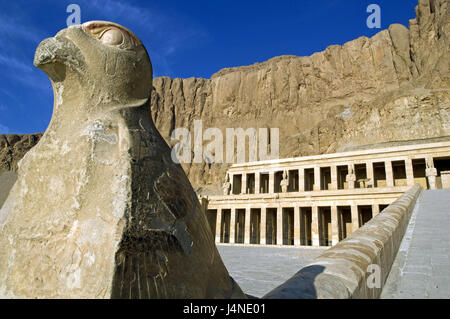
[(342, 272)]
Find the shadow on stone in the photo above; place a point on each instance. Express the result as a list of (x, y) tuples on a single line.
[(7, 180), (300, 286)]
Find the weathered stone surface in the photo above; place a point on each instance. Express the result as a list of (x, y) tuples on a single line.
[(99, 208), (391, 87)]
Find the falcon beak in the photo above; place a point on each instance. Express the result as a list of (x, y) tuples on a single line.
[(54, 54)]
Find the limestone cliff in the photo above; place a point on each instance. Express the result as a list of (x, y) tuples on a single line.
[(13, 147), (391, 87)]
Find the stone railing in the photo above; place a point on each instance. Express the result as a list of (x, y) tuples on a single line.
[(358, 266)]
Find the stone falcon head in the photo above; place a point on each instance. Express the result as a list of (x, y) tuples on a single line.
[(99, 209), (108, 61)]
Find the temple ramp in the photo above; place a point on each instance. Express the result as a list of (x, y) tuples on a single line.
[(422, 266)]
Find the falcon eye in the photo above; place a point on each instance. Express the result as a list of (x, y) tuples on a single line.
[(111, 34), (112, 37)]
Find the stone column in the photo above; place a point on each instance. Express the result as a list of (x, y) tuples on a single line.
[(351, 176), (279, 226), (263, 226), (247, 226), (271, 182), (369, 171), (389, 174), (296, 226), (375, 210), (355, 218), (244, 184), (316, 178), (334, 181), (218, 225), (232, 184), (409, 172), (334, 225), (233, 226), (301, 179), (315, 226), (257, 183), (431, 172)]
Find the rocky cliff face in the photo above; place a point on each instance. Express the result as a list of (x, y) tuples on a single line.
[(13, 147), (391, 87)]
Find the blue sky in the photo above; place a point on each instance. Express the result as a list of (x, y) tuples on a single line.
[(184, 38)]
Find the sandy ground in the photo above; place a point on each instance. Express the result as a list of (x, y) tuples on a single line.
[(7, 180)]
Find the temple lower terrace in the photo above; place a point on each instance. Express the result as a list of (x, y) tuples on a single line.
[(320, 200)]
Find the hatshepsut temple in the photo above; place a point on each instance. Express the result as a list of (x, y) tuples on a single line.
[(320, 200)]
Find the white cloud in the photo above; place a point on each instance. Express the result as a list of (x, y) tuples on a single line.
[(15, 29), (4, 129), (22, 72), (126, 11), (164, 35), (14, 63)]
